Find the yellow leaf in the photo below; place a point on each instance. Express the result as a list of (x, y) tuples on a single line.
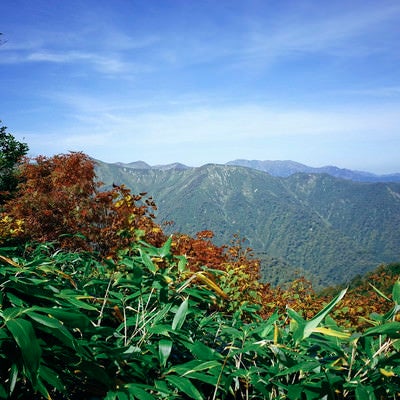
[(212, 285), (332, 332), (9, 261), (387, 373)]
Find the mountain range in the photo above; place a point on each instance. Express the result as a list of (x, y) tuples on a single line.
[(326, 228), (283, 169)]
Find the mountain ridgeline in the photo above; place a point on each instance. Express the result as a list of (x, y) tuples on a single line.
[(325, 228), (287, 168)]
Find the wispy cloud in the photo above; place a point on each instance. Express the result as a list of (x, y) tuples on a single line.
[(125, 130), (103, 63), (346, 32), (254, 43), (210, 123), (109, 53)]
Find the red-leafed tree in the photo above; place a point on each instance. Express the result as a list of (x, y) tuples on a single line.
[(59, 199)]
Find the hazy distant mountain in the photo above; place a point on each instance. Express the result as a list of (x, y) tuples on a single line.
[(144, 165), (135, 164), (287, 168), (171, 166), (331, 229), (281, 169)]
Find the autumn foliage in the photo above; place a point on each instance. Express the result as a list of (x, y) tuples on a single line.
[(59, 200)]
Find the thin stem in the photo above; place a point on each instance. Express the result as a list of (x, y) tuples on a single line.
[(104, 301)]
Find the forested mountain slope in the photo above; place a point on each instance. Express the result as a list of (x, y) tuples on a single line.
[(332, 229)]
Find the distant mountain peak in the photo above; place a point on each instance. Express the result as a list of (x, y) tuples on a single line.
[(286, 168), (143, 165), (135, 164), (175, 165)]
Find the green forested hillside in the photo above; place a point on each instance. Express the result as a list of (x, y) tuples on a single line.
[(329, 228)]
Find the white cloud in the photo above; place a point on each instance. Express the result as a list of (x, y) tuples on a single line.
[(219, 123), (352, 136)]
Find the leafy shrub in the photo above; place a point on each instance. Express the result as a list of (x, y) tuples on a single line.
[(143, 326), (59, 199)]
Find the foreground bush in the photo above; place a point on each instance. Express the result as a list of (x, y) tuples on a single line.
[(143, 326)]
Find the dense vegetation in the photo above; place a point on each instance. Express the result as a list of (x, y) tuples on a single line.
[(143, 326), (316, 224), (96, 301)]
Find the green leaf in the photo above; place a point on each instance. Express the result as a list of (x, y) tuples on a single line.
[(75, 300), (51, 377), (202, 351), (301, 328), (389, 328), (207, 365), (146, 260), (42, 389), (138, 392), (295, 391), (44, 320), (193, 366), (72, 318), (317, 319), (3, 392), (25, 337), (160, 329), (164, 350), (364, 392), (12, 313), (182, 263), (180, 315), (122, 396), (184, 385), (13, 377), (305, 366), (166, 248), (15, 300), (396, 292), (379, 292), (206, 378)]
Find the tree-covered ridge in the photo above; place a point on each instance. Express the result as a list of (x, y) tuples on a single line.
[(315, 223)]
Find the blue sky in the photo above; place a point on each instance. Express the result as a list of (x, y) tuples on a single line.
[(316, 82)]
